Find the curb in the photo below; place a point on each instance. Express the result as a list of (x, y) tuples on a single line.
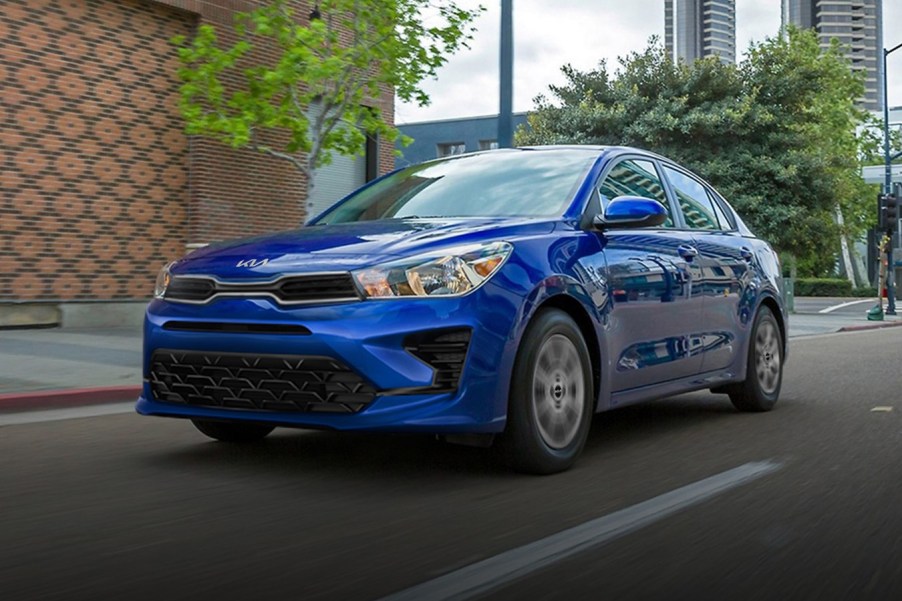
[(55, 399), (871, 326)]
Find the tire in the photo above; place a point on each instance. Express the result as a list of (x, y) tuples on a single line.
[(233, 431), (764, 369), (551, 397)]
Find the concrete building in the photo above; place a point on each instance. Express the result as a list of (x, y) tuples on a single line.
[(101, 185), (434, 139), (857, 24), (696, 29)]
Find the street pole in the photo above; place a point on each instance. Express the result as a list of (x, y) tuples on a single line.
[(505, 112), (887, 187), (887, 159)]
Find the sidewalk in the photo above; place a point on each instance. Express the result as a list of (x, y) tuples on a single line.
[(809, 324), (54, 367), (46, 368)]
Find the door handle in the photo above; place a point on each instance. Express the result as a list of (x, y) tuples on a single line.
[(746, 254), (687, 252)]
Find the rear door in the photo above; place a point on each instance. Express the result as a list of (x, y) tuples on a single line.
[(723, 262)]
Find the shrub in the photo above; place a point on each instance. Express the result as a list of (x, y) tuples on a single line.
[(823, 287), (866, 291)]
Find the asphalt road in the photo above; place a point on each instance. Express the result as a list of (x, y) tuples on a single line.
[(125, 507)]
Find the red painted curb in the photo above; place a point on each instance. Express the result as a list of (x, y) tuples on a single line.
[(52, 399), (871, 326)]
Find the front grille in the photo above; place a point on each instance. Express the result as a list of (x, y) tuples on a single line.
[(191, 289), (443, 350), (293, 383), (288, 290), (317, 288)]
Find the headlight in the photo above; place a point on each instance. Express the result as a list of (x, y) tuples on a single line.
[(453, 271), (163, 279)]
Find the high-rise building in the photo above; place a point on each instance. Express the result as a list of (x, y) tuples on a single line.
[(700, 28), (857, 25)]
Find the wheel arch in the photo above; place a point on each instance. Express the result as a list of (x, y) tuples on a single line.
[(575, 309), (772, 304)]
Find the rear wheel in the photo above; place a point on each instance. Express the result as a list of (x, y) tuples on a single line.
[(232, 431), (764, 371), (550, 406)]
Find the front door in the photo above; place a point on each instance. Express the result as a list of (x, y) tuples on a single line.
[(652, 275)]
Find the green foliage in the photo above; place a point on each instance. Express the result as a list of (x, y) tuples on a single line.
[(823, 287), (358, 51), (865, 292), (776, 134)]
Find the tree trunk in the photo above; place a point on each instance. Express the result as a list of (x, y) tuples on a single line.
[(844, 243), (310, 174)]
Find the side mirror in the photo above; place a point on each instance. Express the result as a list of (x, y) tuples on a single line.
[(631, 211)]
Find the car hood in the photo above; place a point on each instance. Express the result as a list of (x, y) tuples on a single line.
[(347, 246)]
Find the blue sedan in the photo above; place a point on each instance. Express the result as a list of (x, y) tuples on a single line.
[(496, 298)]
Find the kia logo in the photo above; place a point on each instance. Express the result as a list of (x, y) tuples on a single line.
[(252, 263)]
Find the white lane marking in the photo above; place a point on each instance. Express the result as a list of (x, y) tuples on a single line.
[(53, 415), (881, 409), (483, 576), (848, 304)]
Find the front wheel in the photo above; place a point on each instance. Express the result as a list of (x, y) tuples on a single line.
[(551, 401), (233, 431), (764, 371)]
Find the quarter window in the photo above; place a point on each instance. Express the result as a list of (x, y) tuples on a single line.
[(725, 222), (634, 178), (698, 210)]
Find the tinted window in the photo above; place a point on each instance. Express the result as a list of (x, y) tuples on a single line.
[(634, 178), (510, 183), (698, 210)]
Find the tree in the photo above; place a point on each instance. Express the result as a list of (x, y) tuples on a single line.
[(776, 134), (315, 96)]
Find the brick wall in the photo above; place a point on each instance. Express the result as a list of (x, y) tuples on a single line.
[(100, 186)]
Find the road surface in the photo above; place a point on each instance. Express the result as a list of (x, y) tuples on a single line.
[(127, 507)]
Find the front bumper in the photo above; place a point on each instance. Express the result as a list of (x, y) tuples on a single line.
[(367, 337)]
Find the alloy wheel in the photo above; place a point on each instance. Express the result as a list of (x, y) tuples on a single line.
[(558, 391), (767, 357)]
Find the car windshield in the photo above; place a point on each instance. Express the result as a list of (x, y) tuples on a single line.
[(494, 184)]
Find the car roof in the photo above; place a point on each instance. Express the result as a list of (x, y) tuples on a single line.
[(598, 149)]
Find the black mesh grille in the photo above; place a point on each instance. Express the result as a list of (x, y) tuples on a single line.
[(289, 290), (191, 289), (258, 382), (445, 351), (313, 288)]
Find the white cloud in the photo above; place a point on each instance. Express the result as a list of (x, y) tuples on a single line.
[(548, 35)]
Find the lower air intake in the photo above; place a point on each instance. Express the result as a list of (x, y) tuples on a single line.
[(443, 350), (293, 384)]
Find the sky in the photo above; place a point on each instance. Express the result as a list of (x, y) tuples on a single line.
[(551, 33)]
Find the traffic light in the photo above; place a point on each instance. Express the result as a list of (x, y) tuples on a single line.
[(889, 212)]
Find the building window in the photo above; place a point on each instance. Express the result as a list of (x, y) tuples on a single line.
[(446, 150), (488, 144)]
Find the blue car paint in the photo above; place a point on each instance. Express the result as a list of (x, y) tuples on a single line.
[(679, 327)]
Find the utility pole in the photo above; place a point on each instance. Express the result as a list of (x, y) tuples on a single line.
[(505, 112)]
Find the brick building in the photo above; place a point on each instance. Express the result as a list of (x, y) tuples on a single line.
[(100, 184)]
